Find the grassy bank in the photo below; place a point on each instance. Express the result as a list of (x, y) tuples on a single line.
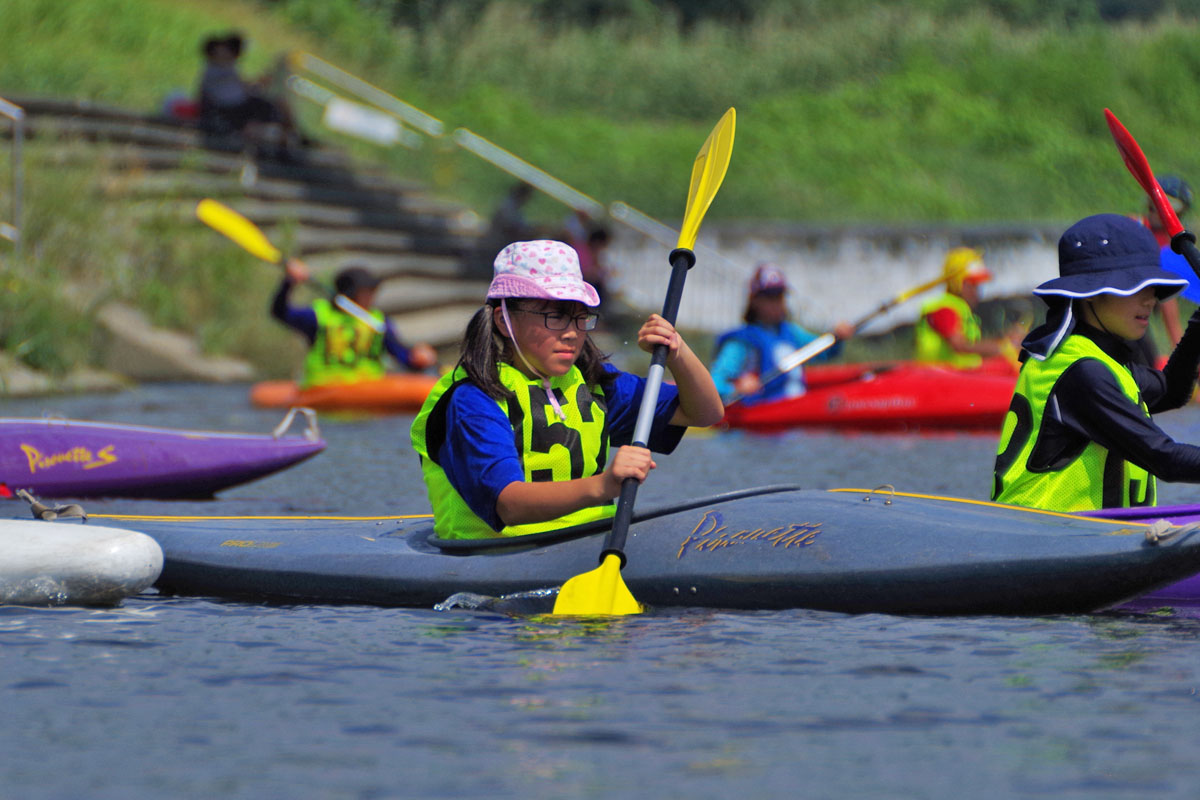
[(917, 110)]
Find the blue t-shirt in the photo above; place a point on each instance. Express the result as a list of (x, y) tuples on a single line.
[(1174, 262), (480, 457)]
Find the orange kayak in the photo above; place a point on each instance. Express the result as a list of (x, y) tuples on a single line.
[(392, 393)]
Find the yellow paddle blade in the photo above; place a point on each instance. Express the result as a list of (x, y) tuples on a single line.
[(225, 220), (707, 174), (601, 591)]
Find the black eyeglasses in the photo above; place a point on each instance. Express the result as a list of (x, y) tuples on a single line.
[(558, 320)]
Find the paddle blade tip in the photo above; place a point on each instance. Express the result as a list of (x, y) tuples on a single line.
[(708, 172), (600, 592)]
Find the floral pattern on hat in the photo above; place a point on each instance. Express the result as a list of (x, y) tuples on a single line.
[(543, 269)]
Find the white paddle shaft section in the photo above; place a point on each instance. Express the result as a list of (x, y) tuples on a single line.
[(539, 179), (645, 418), (414, 116), (358, 312), (810, 350)]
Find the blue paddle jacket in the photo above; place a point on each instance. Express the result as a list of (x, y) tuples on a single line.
[(758, 349)]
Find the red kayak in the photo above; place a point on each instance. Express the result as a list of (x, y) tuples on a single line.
[(889, 396)]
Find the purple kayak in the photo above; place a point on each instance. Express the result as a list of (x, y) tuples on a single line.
[(1185, 592), (74, 458)]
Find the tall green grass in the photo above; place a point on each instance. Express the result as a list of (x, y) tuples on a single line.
[(850, 111)]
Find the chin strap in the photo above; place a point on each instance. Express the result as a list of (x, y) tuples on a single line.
[(545, 380)]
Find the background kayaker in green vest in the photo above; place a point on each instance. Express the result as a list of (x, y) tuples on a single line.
[(1079, 433), (949, 331), (516, 439), (347, 335), (745, 354)]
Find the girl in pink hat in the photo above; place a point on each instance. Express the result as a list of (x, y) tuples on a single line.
[(516, 439)]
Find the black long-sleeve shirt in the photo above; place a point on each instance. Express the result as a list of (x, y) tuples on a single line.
[(1087, 404)]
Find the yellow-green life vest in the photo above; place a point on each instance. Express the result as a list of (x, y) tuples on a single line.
[(932, 347), (550, 449), (1092, 478), (345, 349)]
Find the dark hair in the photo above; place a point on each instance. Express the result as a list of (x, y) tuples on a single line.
[(483, 347), (231, 40), (751, 314)]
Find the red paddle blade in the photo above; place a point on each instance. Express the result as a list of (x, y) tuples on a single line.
[(1137, 164)]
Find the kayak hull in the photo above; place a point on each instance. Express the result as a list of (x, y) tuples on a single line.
[(74, 458), (1185, 592), (393, 393), (59, 563), (899, 396), (850, 551)]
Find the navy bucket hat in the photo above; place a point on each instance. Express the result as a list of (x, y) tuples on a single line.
[(1109, 254), (1101, 254)]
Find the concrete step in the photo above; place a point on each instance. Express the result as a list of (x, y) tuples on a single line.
[(155, 134), (141, 158), (310, 240), (441, 327), (409, 295), (387, 265), (138, 350), (274, 190), (266, 213)]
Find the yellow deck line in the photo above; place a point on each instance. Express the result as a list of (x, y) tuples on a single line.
[(172, 518), (331, 518), (989, 504)]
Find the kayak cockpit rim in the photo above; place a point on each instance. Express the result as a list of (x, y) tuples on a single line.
[(599, 526)]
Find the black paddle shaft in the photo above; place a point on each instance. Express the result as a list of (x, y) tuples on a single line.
[(682, 259), (1184, 243)]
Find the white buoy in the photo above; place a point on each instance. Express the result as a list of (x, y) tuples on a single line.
[(72, 563)]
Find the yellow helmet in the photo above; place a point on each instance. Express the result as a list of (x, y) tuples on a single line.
[(964, 264)]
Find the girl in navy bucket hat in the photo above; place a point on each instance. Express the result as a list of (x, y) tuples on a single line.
[(515, 440), (1079, 433)]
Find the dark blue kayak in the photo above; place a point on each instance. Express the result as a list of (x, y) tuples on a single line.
[(847, 550)]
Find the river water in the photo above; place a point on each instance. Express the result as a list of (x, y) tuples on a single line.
[(192, 698)]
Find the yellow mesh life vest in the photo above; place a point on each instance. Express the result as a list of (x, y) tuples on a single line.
[(550, 449), (345, 349), (1094, 477), (932, 347)]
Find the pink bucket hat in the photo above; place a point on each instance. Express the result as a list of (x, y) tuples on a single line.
[(543, 269)]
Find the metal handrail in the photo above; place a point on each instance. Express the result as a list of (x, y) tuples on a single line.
[(12, 230), (639, 284)]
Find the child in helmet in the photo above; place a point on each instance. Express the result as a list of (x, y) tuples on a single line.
[(949, 331), (1079, 434), (515, 440)]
